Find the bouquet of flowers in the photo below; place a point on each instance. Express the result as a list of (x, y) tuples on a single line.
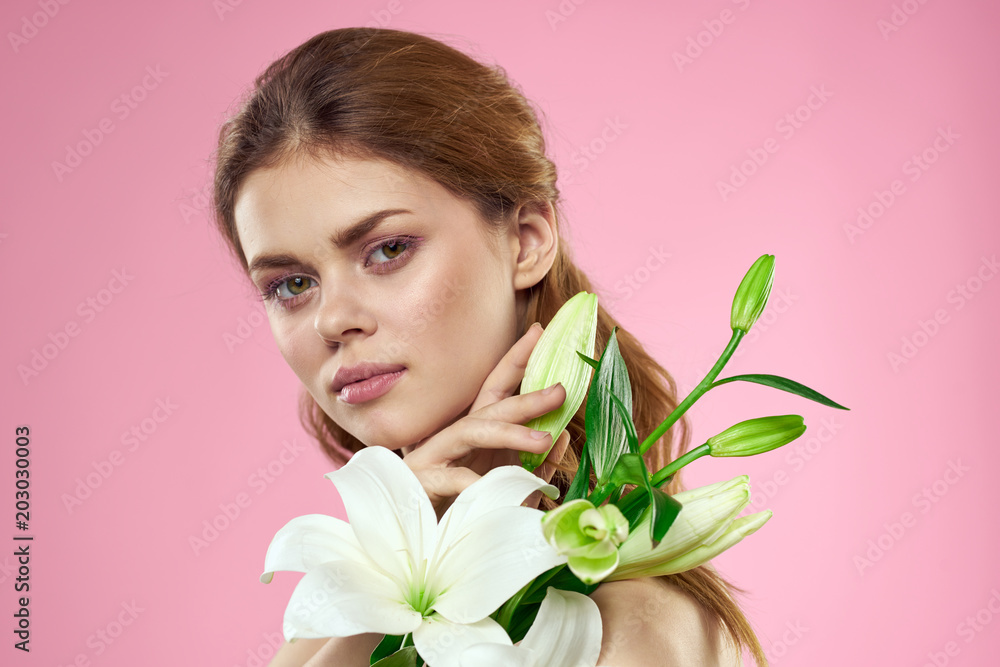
[(497, 583)]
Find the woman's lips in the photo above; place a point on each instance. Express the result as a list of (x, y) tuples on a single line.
[(370, 389)]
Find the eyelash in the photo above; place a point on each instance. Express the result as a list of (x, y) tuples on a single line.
[(270, 292)]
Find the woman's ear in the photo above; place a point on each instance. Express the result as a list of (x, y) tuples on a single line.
[(534, 241)]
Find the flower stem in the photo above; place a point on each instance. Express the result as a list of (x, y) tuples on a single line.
[(600, 494), (698, 391), (668, 471)]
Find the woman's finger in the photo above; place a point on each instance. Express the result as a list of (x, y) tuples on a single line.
[(471, 434), (496, 426)]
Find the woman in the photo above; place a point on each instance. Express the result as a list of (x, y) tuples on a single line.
[(391, 199)]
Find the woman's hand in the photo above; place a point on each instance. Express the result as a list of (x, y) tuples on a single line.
[(491, 434)]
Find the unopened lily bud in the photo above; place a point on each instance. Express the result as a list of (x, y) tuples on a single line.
[(751, 296), (706, 526), (756, 436), (738, 529), (555, 359)]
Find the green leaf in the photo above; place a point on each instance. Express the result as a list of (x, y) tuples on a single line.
[(406, 657), (630, 435), (580, 486), (665, 510), (389, 645), (633, 505), (628, 470), (605, 430), (592, 362), (784, 384)]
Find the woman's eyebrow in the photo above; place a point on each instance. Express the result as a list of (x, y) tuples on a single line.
[(348, 236), (340, 239)]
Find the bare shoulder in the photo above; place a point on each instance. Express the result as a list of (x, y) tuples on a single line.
[(297, 653), (652, 622), (353, 651)]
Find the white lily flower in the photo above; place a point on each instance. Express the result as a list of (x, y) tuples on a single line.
[(395, 570), (566, 633), (706, 526)]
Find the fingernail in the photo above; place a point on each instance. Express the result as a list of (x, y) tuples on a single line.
[(538, 434), (549, 390)]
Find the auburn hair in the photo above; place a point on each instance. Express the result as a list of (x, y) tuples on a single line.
[(424, 105)]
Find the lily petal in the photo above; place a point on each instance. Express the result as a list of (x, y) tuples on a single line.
[(687, 496), (388, 510), (705, 517), (498, 655), (567, 631), (505, 550), (594, 569), (506, 486), (441, 642), (306, 541), (365, 601), (562, 524), (739, 529)]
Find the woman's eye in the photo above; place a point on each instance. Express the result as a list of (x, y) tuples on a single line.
[(293, 287), (391, 250)]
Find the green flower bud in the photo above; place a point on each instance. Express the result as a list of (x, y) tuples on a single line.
[(755, 436), (589, 536), (555, 359), (751, 296)]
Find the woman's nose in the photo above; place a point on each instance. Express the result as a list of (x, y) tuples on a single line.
[(344, 313)]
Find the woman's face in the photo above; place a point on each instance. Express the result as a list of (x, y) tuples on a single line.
[(363, 261)]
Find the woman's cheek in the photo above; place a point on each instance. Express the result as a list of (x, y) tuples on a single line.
[(290, 338)]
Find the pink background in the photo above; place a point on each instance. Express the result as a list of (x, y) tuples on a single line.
[(856, 562)]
